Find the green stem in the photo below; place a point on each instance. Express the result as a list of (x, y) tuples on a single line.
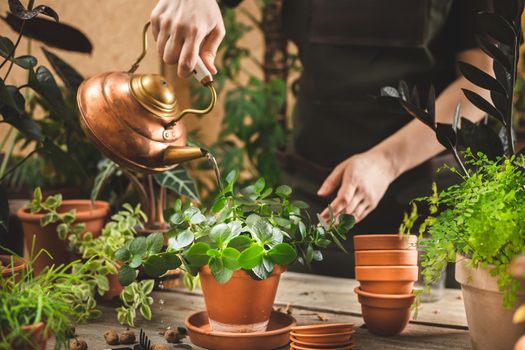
[(11, 54), (19, 163)]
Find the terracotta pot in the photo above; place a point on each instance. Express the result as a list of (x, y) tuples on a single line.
[(385, 314), (384, 242), (17, 270), (490, 324), (38, 336), (241, 305), (47, 237), (386, 257), (297, 346), (386, 279), (115, 288)]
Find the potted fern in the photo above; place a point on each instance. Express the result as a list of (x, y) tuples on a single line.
[(239, 248), (479, 223)]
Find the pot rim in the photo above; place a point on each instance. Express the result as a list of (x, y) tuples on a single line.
[(100, 209), (358, 291), (278, 270), (321, 335), (386, 273), (22, 263), (386, 251), (322, 326)]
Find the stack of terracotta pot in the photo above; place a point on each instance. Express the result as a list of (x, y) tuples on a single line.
[(386, 268), (335, 336)]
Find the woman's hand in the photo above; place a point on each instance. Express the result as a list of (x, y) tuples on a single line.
[(362, 181), (184, 29)]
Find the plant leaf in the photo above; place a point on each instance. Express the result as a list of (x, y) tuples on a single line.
[(493, 51), (431, 104), (126, 275), (484, 105), (446, 135), (240, 243), (196, 254), (418, 113), (138, 246), (480, 78), (171, 260), (155, 266), (219, 271), (282, 254), (230, 257), (155, 241), (71, 78), (108, 168), (497, 27), (179, 182), (18, 10), (480, 138), (53, 34), (181, 239), (251, 257)]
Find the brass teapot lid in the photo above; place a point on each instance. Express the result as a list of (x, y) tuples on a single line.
[(154, 93)]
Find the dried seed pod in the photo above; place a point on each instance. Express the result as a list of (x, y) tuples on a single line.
[(78, 344), (173, 336), (127, 337), (111, 337), (158, 346)]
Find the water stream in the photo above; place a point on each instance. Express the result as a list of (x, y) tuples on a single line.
[(211, 157)]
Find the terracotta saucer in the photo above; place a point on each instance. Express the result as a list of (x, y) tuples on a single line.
[(294, 346), (319, 346), (328, 338), (277, 335), (323, 328)]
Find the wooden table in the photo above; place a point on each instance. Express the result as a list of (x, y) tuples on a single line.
[(440, 325)]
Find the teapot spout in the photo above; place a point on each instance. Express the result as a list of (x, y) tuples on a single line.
[(179, 154)]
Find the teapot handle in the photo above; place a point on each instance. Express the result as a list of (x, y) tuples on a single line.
[(201, 72)]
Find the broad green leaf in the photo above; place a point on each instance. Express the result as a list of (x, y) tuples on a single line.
[(219, 271), (282, 254), (135, 261), (283, 191), (196, 254), (71, 78), (230, 257), (251, 257), (154, 242), (345, 224), (178, 181), (221, 234), (138, 246), (145, 310), (126, 275), (155, 266), (122, 254), (240, 243), (171, 260), (259, 185), (219, 205), (181, 239)]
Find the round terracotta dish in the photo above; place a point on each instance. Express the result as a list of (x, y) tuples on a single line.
[(277, 334), (386, 279), (319, 346), (384, 242), (406, 257), (329, 338), (323, 328), (294, 346), (385, 314)]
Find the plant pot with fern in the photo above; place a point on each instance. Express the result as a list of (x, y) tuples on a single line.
[(239, 248), (479, 223)]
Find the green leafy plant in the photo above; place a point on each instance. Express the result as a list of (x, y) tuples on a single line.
[(481, 218), (135, 296), (253, 229), (56, 297)]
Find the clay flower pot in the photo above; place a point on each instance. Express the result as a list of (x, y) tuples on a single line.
[(47, 237), (384, 242), (241, 305), (38, 337), (407, 257), (386, 279), (115, 288), (8, 270), (385, 314), (484, 308)]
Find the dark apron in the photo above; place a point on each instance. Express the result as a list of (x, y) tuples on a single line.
[(349, 50)]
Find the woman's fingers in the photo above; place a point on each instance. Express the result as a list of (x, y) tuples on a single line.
[(209, 47), (189, 53), (332, 181)]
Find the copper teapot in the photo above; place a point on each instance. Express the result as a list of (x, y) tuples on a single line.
[(132, 118)]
